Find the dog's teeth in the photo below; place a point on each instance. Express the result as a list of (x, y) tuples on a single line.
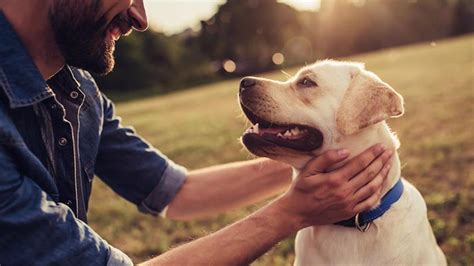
[(287, 133), (295, 131), (256, 128), (280, 135)]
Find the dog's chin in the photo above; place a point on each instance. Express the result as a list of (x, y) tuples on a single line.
[(262, 147)]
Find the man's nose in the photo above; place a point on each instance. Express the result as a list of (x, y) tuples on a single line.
[(138, 17)]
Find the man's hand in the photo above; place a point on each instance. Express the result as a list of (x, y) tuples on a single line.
[(319, 197)]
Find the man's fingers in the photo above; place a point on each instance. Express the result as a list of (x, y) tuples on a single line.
[(369, 194), (372, 171), (368, 203), (370, 188), (360, 162), (324, 161)]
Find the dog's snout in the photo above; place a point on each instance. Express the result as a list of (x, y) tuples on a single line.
[(246, 83)]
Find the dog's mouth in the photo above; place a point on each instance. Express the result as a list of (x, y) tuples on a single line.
[(293, 136)]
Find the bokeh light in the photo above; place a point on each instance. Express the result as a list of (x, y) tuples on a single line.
[(278, 58), (229, 66)]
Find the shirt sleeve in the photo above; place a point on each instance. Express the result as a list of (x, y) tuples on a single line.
[(35, 230), (133, 168)]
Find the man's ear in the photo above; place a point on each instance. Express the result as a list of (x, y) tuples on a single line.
[(367, 101)]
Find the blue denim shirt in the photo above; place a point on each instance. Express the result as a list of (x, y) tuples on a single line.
[(46, 171)]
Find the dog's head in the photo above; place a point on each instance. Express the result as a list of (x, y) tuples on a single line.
[(322, 104)]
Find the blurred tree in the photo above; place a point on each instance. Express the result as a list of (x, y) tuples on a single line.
[(464, 12), (152, 60), (249, 32), (350, 26)]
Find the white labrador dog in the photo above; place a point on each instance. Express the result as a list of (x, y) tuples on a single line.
[(332, 105)]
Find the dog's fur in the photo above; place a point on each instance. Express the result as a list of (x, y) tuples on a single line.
[(349, 105)]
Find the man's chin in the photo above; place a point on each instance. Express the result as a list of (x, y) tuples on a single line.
[(100, 67), (105, 64), (102, 64), (103, 71), (106, 67)]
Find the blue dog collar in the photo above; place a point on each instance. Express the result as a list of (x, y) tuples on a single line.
[(363, 220)]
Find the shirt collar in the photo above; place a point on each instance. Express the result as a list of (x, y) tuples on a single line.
[(64, 80), (19, 76)]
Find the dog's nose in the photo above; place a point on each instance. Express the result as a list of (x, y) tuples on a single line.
[(246, 83)]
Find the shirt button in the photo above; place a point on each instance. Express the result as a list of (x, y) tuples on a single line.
[(68, 203), (54, 106), (62, 141), (74, 94)]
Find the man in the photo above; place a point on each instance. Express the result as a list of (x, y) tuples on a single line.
[(57, 130)]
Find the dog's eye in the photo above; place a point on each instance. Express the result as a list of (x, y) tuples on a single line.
[(306, 82)]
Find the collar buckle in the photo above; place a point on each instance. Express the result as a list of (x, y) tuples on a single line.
[(361, 227)]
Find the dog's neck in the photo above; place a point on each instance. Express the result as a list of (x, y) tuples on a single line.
[(378, 133), (360, 141)]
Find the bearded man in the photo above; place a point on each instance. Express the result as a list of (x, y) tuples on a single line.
[(58, 130)]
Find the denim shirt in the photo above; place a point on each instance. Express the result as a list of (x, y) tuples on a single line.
[(47, 165)]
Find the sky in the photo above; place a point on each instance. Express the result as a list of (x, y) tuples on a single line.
[(173, 16)]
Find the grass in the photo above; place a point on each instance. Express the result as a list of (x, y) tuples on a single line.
[(200, 127)]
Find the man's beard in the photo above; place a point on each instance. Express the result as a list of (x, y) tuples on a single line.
[(82, 36)]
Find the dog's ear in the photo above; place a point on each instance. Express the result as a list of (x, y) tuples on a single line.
[(367, 101)]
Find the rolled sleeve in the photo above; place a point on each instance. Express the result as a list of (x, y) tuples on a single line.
[(135, 169), (171, 181), (118, 258)]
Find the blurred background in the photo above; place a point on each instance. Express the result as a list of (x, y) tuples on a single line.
[(198, 41), (177, 85)]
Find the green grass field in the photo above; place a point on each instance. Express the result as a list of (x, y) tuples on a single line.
[(201, 127)]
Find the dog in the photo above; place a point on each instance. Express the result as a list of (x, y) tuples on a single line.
[(332, 105)]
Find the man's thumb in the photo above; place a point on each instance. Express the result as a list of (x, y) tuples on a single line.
[(321, 163)]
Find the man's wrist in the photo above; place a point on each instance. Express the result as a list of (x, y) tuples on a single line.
[(290, 221)]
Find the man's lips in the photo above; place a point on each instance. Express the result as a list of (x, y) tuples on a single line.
[(115, 33), (120, 25)]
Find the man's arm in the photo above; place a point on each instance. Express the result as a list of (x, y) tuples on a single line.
[(237, 244), (314, 198), (217, 189), (144, 176)]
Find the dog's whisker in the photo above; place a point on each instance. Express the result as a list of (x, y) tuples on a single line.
[(288, 76), (403, 165)]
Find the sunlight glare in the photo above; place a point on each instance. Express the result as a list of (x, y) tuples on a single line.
[(307, 5)]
